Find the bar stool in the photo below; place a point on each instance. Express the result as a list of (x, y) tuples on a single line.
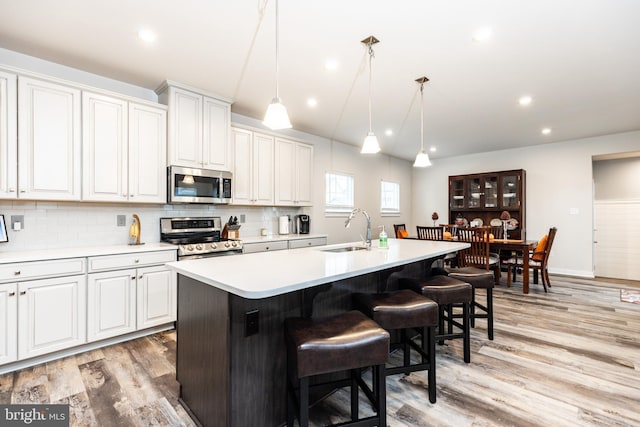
[(406, 310), (346, 342), (479, 279), (449, 293)]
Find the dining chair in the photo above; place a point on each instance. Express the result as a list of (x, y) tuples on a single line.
[(397, 228), (537, 261), (430, 233)]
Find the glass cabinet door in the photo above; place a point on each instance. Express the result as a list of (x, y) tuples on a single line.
[(491, 192), (457, 193), (475, 192), (510, 193)]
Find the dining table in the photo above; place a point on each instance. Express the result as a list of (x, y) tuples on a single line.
[(522, 247)]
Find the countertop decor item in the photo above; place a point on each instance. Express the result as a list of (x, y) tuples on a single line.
[(134, 231)]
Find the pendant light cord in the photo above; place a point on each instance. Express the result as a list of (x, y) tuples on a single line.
[(277, 56), (371, 54), (422, 117)]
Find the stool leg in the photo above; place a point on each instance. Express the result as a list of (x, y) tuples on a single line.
[(441, 322), (303, 417), (290, 405), (466, 332), (406, 349), (378, 371), (490, 312), (450, 319), (473, 307), (429, 347), (355, 404)]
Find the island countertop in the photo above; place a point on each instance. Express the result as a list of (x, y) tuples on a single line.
[(267, 274)]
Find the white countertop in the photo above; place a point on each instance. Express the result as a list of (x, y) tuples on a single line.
[(61, 253), (266, 274), (277, 237)]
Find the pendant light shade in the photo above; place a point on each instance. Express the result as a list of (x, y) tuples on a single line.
[(370, 144), (276, 116), (422, 158)]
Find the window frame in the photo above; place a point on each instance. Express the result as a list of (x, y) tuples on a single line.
[(337, 209), (385, 210)]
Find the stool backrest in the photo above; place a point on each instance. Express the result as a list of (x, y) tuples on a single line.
[(478, 254)]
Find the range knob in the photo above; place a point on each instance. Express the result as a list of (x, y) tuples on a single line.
[(234, 244), (214, 246), (198, 247), (189, 247), (226, 245)]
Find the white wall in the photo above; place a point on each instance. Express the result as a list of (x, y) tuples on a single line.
[(559, 178)]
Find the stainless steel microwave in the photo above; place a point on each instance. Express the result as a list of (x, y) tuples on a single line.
[(190, 185)]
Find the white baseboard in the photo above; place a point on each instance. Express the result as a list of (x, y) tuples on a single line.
[(576, 273)]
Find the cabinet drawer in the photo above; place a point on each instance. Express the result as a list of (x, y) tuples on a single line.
[(264, 247), (115, 262), (37, 269), (307, 243)]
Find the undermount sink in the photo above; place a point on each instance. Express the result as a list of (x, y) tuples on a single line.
[(345, 249)]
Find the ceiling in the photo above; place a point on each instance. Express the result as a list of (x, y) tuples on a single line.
[(578, 60)]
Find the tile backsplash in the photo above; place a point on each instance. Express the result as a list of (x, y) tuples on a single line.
[(51, 225)]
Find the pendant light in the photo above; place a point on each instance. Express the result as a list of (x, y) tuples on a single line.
[(276, 116), (370, 144), (422, 158)]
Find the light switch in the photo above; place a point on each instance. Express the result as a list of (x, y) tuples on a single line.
[(574, 211)]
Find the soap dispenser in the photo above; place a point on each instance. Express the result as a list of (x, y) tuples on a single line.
[(383, 239)]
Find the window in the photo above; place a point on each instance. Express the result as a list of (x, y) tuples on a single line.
[(339, 193), (390, 198)]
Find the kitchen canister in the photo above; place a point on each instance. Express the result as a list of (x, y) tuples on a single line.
[(283, 224)]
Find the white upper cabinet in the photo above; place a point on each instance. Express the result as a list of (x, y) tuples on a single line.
[(48, 140), (198, 128), (124, 150), (294, 172), (8, 136), (253, 168)]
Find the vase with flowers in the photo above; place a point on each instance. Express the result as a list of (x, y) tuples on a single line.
[(434, 217), (505, 217)]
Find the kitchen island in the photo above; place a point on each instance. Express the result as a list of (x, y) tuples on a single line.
[(231, 357)]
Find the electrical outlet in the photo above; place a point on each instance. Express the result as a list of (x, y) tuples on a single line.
[(251, 322), (17, 222), (121, 220)]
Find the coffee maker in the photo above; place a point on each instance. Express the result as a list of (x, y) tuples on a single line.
[(304, 224)]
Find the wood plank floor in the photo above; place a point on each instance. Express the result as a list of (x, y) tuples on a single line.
[(567, 358)]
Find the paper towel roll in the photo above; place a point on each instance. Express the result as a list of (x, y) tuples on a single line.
[(283, 225)]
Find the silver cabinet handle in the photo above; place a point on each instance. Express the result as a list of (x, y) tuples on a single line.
[(17, 273), (140, 277), (11, 294), (12, 190), (23, 292), (23, 191), (133, 277), (136, 261)]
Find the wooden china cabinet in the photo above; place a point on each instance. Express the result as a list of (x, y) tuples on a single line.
[(485, 195)]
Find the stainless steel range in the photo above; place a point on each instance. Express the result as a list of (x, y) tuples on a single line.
[(198, 237)]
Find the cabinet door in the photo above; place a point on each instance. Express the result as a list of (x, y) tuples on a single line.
[(263, 169), (185, 128), (48, 140), (242, 142), (285, 185), (51, 315), (111, 304), (456, 192), (8, 137), (104, 148), (147, 154), (303, 174), (8, 323), (157, 296), (490, 193), (215, 142), (510, 191)]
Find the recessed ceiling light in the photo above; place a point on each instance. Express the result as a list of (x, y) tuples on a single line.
[(331, 65), (147, 35), (525, 100), (482, 35), (433, 149), (312, 102), (546, 131), (388, 132)]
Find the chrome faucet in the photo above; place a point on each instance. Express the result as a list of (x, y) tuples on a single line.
[(353, 213)]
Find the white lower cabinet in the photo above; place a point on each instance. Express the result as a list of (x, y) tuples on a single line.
[(8, 322), (130, 292), (307, 243), (51, 315), (111, 299)]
